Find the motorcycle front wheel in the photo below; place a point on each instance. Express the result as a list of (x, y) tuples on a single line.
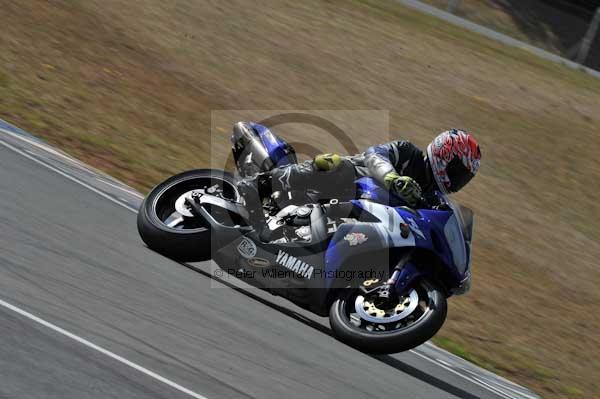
[(371, 326), (168, 226)]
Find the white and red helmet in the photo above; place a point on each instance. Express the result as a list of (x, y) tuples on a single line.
[(454, 157)]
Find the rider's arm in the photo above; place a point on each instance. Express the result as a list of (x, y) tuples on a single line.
[(387, 163), (381, 160)]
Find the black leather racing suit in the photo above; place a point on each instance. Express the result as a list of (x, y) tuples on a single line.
[(401, 157)]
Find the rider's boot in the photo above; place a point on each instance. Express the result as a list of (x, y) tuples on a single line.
[(250, 189)]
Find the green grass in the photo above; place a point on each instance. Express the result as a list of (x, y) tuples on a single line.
[(572, 391), (4, 81)]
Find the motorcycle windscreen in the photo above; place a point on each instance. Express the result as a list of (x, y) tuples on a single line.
[(459, 231), (459, 228)]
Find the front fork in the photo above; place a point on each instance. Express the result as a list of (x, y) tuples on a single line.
[(405, 272)]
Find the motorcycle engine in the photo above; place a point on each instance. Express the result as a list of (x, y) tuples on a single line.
[(291, 224)]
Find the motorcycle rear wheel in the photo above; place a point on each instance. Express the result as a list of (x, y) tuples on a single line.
[(182, 237), (389, 337)]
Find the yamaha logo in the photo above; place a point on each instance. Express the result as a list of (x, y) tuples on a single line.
[(296, 265)]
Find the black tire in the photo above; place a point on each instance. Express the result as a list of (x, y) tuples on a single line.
[(184, 245), (390, 341)]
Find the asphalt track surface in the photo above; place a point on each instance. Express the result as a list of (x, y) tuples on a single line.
[(87, 311)]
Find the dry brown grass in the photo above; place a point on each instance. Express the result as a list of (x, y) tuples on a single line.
[(128, 86)]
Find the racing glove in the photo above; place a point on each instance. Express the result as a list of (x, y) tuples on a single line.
[(405, 187)]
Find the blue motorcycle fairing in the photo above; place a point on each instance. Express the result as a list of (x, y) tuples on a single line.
[(436, 231), (368, 259), (439, 231), (379, 236)]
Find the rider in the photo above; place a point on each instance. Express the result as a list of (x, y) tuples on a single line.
[(451, 161)]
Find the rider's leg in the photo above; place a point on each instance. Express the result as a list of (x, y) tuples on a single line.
[(251, 190), (296, 177), (337, 182), (328, 174)]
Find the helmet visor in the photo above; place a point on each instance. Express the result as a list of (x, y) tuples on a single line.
[(458, 174)]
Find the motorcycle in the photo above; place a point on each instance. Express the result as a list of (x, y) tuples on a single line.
[(380, 270)]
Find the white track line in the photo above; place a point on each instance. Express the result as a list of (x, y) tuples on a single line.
[(101, 350), (46, 147), (67, 333), (60, 172), (102, 177), (477, 382), (121, 187)]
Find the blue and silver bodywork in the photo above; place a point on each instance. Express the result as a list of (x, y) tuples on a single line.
[(441, 236), (445, 233), (256, 149), (279, 150)]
